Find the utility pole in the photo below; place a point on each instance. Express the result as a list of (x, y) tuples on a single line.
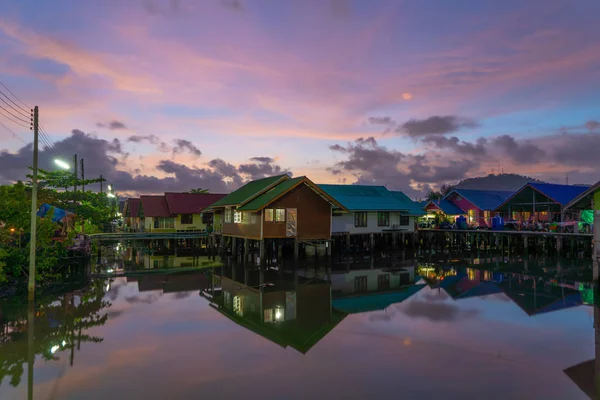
[(33, 239), (82, 175), (101, 180), (75, 170)]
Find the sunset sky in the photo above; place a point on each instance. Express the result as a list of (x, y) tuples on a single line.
[(163, 95)]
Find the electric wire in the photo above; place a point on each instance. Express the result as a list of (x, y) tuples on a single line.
[(16, 135), (18, 109), (15, 116), (16, 97)]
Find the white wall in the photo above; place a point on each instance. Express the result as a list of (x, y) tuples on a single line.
[(345, 223)]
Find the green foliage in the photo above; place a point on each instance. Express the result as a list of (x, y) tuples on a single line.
[(199, 190)]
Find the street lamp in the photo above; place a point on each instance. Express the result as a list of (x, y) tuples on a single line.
[(112, 196), (110, 189), (62, 164)]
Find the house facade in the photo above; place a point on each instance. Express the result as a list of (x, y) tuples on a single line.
[(479, 205), (277, 207), (371, 209), (544, 202), (156, 215), (133, 221), (187, 209)]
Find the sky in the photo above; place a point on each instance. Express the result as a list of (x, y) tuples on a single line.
[(169, 95)]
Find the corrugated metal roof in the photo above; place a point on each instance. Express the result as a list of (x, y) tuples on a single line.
[(248, 191), (413, 207), (155, 206), (190, 203), (270, 195), (483, 199), (365, 198), (560, 193), (446, 207), (133, 206), (584, 200)]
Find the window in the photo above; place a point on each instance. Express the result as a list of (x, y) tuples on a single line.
[(228, 215), (164, 222), (383, 219), (269, 215), (268, 315), (404, 220), (280, 215), (360, 284), (238, 217), (187, 219), (360, 219), (383, 281), (472, 216)]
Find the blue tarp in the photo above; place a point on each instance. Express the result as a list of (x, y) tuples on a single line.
[(59, 213)]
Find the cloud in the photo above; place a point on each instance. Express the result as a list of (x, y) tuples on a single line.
[(112, 125), (153, 139), (381, 121), (578, 150), (477, 149), (373, 164), (182, 145), (435, 125), (522, 152), (592, 125), (262, 159), (102, 157)]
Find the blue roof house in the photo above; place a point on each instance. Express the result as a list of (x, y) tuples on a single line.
[(477, 204), (540, 201), (371, 209)]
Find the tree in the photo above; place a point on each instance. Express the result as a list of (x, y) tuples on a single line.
[(199, 190)]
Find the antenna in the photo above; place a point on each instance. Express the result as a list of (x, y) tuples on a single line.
[(567, 177)]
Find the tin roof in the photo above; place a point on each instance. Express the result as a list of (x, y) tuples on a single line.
[(155, 206), (584, 200), (482, 199), (365, 198), (190, 203), (561, 194), (445, 206), (413, 207), (249, 191), (133, 206)]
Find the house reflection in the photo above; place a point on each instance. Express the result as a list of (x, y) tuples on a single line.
[(165, 254), (171, 283), (284, 308)]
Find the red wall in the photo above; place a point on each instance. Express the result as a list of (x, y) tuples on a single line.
[(467, 205)]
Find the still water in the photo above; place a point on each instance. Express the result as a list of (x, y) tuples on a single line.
[(428, 330)]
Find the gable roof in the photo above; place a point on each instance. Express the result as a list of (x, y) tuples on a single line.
[(482, 199), (133, 206), (561, 194), (249, 191), (365, 198), (445, 206), (155, 206), (280, 189), (413, 207), (190, 203), (584, 199)]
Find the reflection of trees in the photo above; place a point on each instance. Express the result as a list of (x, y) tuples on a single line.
[(61, 323)]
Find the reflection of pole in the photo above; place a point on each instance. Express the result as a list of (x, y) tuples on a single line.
[(30, 346), (34, 187)]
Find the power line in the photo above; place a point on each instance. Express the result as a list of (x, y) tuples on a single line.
[(17, 136), (18, 109), (17, 117), (14, 121), (15, 96)]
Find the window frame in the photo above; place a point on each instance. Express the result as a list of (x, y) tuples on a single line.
[(271, 213), (278, 217), (358, 220), (238, 217), (405, 218), (383, 221), (228, 215), (190, 216)]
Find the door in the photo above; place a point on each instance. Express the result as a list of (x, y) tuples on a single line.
[(291, 222)]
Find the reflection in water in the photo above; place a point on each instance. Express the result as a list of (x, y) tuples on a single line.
[(53, 325), (285, 308), (469, 317)]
